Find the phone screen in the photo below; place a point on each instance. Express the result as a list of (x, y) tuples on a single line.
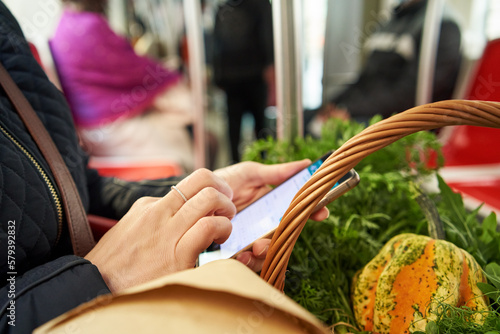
[(264, 215)]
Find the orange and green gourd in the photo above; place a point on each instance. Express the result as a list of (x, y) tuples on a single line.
[(402, 287)]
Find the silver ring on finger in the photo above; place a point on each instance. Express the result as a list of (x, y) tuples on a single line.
[(180, 193)]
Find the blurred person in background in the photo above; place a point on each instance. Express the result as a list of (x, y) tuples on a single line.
[(387, 82), (243, 63), (123, 104)]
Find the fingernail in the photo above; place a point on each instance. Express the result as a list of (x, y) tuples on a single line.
[(247, 262), (263, 251)]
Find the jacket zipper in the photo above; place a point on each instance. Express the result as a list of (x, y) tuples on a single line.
[(48, 182)]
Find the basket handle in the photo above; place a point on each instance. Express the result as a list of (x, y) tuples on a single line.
[(425, 117)]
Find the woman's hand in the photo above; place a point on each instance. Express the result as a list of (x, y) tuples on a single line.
[(250, 181), (159, 236)]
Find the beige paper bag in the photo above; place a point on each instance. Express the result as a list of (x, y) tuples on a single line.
[(220, 297)]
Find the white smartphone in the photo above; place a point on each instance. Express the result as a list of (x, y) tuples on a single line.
[(261, 218)]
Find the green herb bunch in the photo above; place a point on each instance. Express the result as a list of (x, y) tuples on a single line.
[(329, 253)]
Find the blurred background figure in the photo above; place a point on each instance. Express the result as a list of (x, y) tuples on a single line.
[(388, 80), (124, 105), (243, 60)]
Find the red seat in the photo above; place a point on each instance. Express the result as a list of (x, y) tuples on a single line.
[(485, 85), (100, 225), (471, 145), (471, 148), (135, 170)]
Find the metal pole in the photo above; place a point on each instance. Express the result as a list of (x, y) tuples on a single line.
[(288, 65), (194, 31), (117, 16), (428, 51)]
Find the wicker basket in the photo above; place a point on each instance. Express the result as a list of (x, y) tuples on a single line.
[(373, 138)]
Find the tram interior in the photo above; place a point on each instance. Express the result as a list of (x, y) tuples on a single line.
[(157, 28)]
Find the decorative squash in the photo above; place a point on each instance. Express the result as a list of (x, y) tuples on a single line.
[(399, 290)]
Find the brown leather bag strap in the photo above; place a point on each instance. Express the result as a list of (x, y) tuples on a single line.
[(79, 229)]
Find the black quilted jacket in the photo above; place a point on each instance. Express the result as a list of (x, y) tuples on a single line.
[(49, 280)]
